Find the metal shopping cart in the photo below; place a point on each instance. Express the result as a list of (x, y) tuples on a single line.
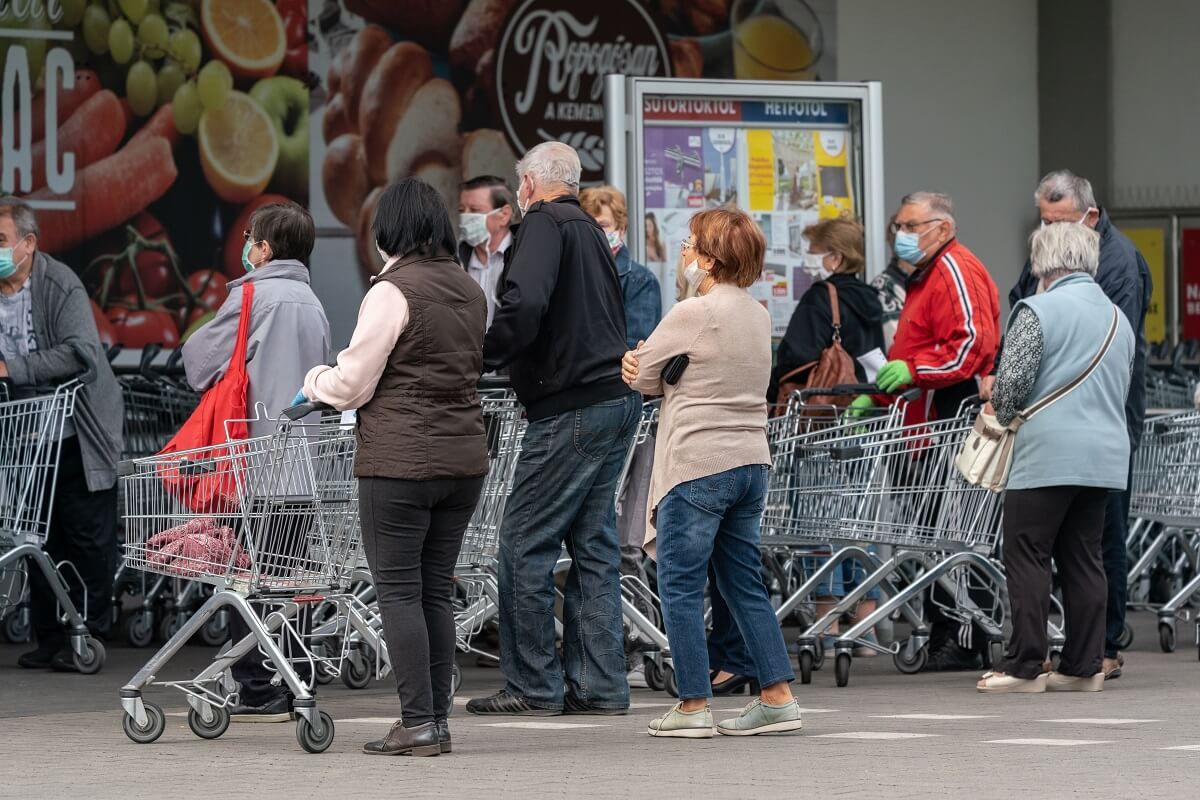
[(842, 484), (31, 431), (271, 523)]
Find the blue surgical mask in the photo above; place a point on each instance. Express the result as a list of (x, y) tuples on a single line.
[(7, 267), (908, 247), (246, 262)]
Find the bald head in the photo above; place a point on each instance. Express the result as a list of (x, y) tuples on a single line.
[(549, 170)]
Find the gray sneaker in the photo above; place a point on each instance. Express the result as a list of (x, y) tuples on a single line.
[(760, 717), (681, 724)]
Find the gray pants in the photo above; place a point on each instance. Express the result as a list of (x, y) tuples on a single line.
[(631, 509)]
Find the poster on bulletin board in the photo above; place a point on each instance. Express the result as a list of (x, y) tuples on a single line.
[(1152, 244)]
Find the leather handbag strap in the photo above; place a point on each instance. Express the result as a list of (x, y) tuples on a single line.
[(836, 308), (1058, 394)]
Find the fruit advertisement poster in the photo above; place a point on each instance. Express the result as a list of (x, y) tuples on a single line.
[(144, 132)]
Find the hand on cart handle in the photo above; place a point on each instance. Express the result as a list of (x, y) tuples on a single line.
[(300, 410), (491, 382)]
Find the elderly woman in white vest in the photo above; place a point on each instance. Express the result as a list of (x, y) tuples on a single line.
[(1065, 459)]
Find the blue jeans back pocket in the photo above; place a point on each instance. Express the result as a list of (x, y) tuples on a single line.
[(713, 492)]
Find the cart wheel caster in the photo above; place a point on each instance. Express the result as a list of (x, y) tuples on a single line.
[(910, 662), (455, 678), (842, 669), (1126, 639), (156, 723), (819, 657), (17, 627), (669, 682), (323, 676), (92, 659), (654, 675), (1166, 637), (209, 730), (215, 632), (139, 628), (309, 740), (357, 669), (168, 627), (1055, 659), (806, 667)]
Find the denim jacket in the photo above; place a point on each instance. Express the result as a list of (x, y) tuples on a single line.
[(643, 298)]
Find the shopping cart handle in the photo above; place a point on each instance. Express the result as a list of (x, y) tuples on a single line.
[(846, 389), (487, 382), (189, 468), (304, 409)]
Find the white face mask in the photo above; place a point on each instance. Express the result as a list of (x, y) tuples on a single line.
[(472, 227), (814, 264), (523, 205), (693, 274)]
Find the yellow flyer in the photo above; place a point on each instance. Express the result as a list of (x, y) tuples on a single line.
[(1151, 243), (760, 158)]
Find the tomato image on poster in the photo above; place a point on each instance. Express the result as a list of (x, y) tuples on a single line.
[(140, 131)]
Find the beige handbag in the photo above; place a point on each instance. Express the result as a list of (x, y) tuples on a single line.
[(986, 457)]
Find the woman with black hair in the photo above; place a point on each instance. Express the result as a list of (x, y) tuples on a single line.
[(411, 371)]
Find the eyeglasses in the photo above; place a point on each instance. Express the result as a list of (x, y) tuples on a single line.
[(246, 236), (685, 245), (911, 227)]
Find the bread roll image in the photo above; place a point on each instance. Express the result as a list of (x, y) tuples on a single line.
[(486, 152), (344, 177), (334, 122), (333, 78), (445, 176), (365, 50), (397, 76), (477, 32), (430, 124)]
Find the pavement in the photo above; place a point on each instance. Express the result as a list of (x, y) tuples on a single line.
[(886, 734)]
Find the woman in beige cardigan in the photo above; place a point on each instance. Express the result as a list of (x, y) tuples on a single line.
[(710, 474)]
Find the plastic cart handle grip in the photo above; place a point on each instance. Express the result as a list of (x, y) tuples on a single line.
[(304, 409)]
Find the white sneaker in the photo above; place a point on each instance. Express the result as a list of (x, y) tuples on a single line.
[(637, 677), (1057, 682)]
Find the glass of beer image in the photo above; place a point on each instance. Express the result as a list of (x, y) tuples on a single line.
[(775, 40)]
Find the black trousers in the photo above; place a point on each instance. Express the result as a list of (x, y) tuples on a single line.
[(412, 532), (83, 530), (1065, 523)]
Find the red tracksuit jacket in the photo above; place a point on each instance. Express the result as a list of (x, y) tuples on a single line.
[(949, 330)]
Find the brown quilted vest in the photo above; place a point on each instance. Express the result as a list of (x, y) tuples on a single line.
[(424, 421)]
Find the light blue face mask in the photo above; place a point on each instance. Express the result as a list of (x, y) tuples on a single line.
[(246, 257), (8, 267), (908, 247)]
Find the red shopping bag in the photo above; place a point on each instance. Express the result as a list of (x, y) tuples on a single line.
[(206, 483)]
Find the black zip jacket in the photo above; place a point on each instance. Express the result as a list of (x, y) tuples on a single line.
[(560, 323), (810, 330)]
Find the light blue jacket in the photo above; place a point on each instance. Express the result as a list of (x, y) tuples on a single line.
[(1081, 439)]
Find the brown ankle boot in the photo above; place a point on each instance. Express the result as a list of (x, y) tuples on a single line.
[(401, 741)]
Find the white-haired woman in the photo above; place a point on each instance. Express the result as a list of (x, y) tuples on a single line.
[(1065, 459)]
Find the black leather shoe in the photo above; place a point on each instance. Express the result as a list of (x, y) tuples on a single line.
[(504, 704), (64, 661), (443, 729), (401, 741), (573, 705), (276, 710), (735, 685), (950, 657), (40, 658)]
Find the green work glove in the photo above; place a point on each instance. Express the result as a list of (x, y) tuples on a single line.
[(858, 407), (893, 375)]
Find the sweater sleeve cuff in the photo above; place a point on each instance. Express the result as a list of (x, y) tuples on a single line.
[(18, 370), (310, 382)]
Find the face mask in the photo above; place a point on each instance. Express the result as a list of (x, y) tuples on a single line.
[(246, 262), (693, 274), (1080, 222), (908, 247), (7, 267), (814, 264), (522, 205), (614, 240), (472, 227)]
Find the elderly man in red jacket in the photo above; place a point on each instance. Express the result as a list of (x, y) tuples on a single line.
[(946, 340), (949, 330)]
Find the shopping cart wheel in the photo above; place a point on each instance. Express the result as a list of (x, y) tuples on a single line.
[(139, 628), (156, 723), (92, 659), (17, 627), (1126, 638), (669, 682), (215, 632), (356, 670), (910, 661), (842, 669), (654, 674), (209, 730), (168, 627), (806, 667), (1166, 637), (309, 740)]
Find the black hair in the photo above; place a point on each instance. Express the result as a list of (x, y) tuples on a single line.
[(412, 217), (288, 228), (501, 194)]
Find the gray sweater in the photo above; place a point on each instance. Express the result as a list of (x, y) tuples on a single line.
[(289, 334), (69, 347)]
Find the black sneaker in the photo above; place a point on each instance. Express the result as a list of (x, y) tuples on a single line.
[(573, 705), (276, 710), (41, 657), (503, 703), (950, 657)]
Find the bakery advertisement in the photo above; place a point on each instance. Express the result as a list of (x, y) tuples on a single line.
[(143, 133)]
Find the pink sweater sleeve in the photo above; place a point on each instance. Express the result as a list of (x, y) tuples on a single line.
[(382, 317)]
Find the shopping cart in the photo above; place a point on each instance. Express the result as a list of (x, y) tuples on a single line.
[(31, 431), (843, 484), (271, 523)]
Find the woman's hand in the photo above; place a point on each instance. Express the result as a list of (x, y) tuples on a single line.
[(629, 365)]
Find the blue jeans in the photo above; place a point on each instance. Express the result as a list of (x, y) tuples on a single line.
[(726, 648), (716, 519), (1116, 566), (564, 491)]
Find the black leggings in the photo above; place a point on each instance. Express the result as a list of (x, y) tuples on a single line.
[(412, 532)]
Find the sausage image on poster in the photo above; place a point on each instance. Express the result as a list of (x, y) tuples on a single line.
[(143, 134)]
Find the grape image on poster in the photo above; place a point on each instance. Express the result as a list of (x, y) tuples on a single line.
[(720, 166), (795, 170), (678, 154)]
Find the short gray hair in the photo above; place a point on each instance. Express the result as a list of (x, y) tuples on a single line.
[(1062, 249), (21, 212), (552, 163), (938, 202), (1062, 184)]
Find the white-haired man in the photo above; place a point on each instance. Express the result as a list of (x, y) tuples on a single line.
[(560, 329), (1063, 196)]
